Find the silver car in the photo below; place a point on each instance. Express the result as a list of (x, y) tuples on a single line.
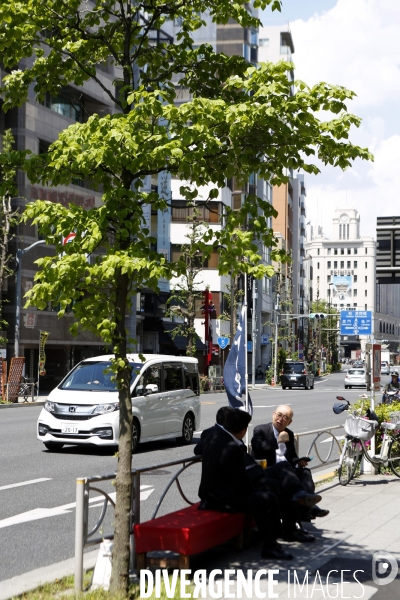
[(355, 377)]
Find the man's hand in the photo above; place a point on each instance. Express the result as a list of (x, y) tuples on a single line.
[(283, 437)]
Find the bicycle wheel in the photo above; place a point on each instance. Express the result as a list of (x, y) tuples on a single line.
[(349, 460), (394, 456)]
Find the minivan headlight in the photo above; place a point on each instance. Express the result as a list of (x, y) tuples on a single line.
[(102, 409), (50, 406)]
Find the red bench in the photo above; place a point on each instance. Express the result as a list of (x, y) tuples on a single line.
[(186, 532)]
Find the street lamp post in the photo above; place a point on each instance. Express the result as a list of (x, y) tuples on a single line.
[(329, 332), (19, 256)]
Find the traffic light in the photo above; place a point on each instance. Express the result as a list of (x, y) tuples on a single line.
[(318, 315)]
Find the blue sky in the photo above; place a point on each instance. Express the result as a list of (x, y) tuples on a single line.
[(299, 9), (353, 43)]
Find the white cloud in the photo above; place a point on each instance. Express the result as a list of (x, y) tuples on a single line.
[(355, 44)]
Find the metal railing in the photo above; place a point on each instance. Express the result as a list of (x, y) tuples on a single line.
[(86, 485), (318, 433)]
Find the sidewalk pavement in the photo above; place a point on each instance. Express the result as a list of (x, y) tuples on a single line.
[(364, 519)]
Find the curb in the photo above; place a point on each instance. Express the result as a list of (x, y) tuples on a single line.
[(26, 582), (21, 404)]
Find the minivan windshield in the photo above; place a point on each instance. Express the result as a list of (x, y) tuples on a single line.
[(92, 376)]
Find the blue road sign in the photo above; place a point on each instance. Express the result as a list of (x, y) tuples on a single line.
[(355, 322), (223, 342)]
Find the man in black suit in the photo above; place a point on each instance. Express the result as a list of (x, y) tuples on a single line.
[(225, 484), (275, 443)]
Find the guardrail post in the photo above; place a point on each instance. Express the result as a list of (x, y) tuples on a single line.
[(297, 443), (135, 512), (79, 533)]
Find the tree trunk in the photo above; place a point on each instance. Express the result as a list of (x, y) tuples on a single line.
[(123, 486)]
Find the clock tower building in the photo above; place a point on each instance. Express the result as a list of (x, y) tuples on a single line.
[(346, 224)]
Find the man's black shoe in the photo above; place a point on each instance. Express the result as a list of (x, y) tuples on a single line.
[(275, 552), (298, 536), (304, 499), (316, 511)]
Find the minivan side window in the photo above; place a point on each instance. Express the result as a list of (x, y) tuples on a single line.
[(191, 381), (149, 381), (172, 374)]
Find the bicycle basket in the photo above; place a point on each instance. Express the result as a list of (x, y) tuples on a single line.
[(360, 428)]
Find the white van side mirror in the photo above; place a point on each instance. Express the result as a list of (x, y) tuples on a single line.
[(151, 388)]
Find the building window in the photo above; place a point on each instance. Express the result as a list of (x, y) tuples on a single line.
[(318, 251), (342, 264), (355, 278), (366, 250), (366, 292), (355, 250), (355, 293), (335, 264), (355, 264), (64, 105), (348, 250), (329, 264), (366, 306), (341, 250), (329, 251), (355, 304), (366, 265), (329, 278), (317, 265), (348, 231), (349, 264), (335, 251), (366, 279)]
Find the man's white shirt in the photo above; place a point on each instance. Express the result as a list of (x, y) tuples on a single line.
[(281, 450)]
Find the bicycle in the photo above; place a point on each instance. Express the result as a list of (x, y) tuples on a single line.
[(360, 430), (27, 388)]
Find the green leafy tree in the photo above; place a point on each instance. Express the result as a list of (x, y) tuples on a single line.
[(189, 288), (240, 120)]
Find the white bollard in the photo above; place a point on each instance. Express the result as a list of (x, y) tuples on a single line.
[(102, 571)]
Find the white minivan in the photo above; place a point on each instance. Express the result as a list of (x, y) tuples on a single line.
[(84, 407)]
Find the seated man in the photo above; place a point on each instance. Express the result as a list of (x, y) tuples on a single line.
[(281, 481), (225, 484), (275, 443)]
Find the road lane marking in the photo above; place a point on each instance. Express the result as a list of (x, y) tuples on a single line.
[(339, 437), (44, 513), (14, 485)]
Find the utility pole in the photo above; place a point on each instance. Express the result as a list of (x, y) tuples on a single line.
[(276, 315), (254, 335)]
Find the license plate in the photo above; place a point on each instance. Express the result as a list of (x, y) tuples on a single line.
[(293, 378), (69, 428)]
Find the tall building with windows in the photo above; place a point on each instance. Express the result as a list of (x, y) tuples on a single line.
[(231, 39), (342, 272)]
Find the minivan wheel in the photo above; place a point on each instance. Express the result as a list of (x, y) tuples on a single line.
[(284, 387), (135, 435), (187, 430), (53, 446)]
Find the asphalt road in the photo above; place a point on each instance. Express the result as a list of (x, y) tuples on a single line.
[(37, 487)]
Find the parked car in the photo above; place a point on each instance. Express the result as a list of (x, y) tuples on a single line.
[(84, 407), (297, 374), (355, 377), (385, 368)]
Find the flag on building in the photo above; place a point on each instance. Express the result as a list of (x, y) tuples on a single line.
[(235, 368)]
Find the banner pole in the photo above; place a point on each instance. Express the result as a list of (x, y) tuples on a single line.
[(246, 374)]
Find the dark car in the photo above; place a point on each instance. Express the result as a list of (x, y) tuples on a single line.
[(297, 374)]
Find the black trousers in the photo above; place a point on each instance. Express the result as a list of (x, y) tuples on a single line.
[(263, 506)]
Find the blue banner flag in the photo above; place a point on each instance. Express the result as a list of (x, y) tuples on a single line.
[(235, 368)]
